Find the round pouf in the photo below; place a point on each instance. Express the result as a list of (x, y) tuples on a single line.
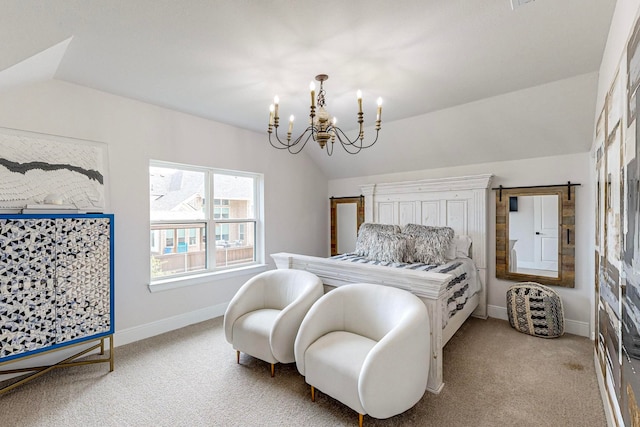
[(535, 309)]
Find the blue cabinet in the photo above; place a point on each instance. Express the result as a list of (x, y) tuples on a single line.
[(56, 282)]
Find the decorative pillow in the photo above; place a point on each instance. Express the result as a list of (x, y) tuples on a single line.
[(368, 234), (388, 247), (416, 229), (431, 243), (535, 309), (459, 247)]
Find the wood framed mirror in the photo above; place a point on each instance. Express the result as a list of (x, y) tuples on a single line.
[(535, 234), (347, 214)]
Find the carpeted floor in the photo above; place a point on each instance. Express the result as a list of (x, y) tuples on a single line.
[(494, 376)]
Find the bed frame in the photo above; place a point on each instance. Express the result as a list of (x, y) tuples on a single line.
[(460, 203)]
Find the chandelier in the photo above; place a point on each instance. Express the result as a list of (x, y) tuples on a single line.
[(321, 128)]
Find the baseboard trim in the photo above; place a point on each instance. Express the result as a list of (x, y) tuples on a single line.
[(137, 333), (574, 327)]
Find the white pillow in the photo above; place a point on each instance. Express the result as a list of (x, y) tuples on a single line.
[(459, 247)]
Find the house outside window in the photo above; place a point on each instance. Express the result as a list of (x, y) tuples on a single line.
[(241, 231), (181, 214), (220, 212)]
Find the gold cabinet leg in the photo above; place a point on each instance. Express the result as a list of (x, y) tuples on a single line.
[(313, 394), (360, 418), (110, 353), (238, 357), (36, 371), (273, 370)]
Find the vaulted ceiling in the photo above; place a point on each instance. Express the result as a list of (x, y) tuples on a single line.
[(462, 81)]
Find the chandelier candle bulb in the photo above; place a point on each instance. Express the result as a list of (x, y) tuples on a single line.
[(312, 88), (379, 109), (271, 108), (291, 123), (276, 101), (359, 96)]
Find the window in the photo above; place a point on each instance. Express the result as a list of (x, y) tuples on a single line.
[(155, 241), (181, 212), (222, 233), (220, 212)]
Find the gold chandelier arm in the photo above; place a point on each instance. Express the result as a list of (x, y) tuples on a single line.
[(292, 147), (355, 146)]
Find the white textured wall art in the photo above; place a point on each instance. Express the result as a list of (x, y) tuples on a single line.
[(34, 165)]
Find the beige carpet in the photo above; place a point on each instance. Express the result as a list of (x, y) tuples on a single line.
[(494, 376)]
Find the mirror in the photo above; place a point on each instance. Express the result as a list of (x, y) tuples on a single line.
[(347, 214), (535, 234)]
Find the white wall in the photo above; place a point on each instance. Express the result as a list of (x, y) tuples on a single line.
[(295, 189), (577, 168)]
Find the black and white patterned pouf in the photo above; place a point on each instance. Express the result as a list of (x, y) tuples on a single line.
[(535, 309)]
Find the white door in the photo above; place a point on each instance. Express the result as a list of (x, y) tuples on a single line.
[(545, 225)]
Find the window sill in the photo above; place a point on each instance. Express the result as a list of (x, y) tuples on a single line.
[(198, 279)]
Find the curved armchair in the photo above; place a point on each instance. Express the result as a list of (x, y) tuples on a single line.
[(263, 318), (368, 347)]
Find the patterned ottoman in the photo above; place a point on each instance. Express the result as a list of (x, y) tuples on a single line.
[(535, 309)]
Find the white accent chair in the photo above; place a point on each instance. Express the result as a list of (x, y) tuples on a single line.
[(366, 346), (263, 318)]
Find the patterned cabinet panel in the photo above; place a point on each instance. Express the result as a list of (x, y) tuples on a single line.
[(82, 277), (56, 284)]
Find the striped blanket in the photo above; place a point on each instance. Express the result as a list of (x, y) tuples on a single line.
[(464, 284)]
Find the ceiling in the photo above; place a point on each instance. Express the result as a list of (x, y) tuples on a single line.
[(462, 81)]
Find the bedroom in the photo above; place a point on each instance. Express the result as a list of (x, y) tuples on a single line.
[(47, 94)]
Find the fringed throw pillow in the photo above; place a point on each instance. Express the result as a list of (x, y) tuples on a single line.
[(368, 236), (430, 243), (388, 247)]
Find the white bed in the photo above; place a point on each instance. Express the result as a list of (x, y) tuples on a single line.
[(460, 203)]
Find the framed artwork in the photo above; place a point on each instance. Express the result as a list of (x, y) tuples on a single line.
[(631, 288), (36, 168), (633, 71), (600, 171), (614, 105)]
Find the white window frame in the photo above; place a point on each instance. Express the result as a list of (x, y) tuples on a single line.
[(155, 241), (211, 271)]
